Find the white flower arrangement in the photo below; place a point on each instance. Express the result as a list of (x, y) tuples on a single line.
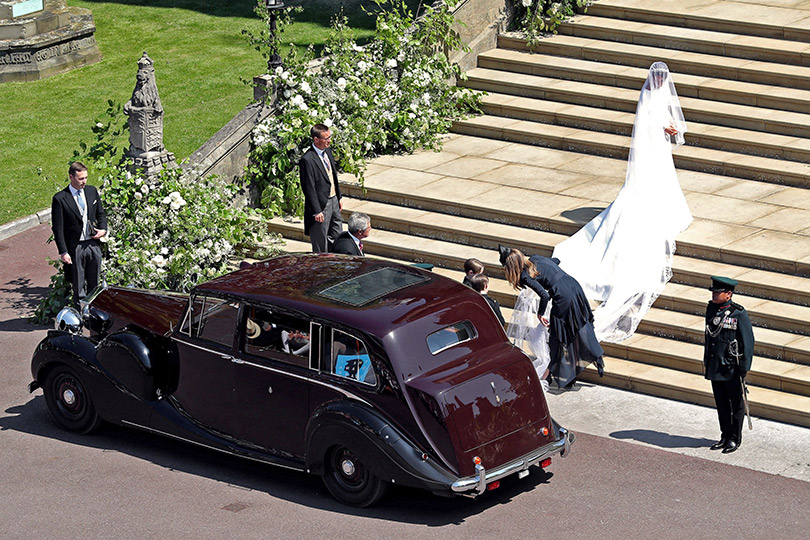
[(391, 95)]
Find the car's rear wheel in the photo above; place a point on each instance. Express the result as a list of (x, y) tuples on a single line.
[(69, 402), (348, 479)]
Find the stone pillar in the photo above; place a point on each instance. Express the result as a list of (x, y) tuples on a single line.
[(40, 38), (146, 122)]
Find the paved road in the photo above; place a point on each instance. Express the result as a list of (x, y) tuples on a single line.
[(633, 472)]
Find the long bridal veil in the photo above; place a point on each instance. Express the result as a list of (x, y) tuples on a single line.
[(623, 257)]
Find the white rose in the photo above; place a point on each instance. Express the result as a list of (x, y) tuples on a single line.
[(306, 88), (526, 3), (279, 70), (391, 62), (138, 196), (361, 65), (328, 122), (144, 189), (158, 261), (341, 83)]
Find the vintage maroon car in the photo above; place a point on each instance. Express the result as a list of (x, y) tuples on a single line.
[(364, 372)]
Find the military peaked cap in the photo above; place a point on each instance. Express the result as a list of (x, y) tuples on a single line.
[(720, 283)]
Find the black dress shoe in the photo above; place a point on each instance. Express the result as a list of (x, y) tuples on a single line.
[(719, 444), (731, 446)]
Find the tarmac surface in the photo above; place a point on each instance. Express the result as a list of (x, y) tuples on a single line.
[(640, 468)]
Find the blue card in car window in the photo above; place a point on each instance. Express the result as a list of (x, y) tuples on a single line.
[(353, 366)]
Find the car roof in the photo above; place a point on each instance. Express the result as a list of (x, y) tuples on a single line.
[(374, 295)]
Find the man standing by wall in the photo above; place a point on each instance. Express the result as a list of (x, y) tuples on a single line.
[(351, 242), (319, 182), (727, 355), (78, 221)]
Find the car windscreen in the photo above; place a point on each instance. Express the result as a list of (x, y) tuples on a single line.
[(362, 289)]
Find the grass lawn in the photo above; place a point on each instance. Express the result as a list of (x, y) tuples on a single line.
[(200, 60)]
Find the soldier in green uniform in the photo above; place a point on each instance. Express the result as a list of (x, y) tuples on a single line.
[(727, 354)]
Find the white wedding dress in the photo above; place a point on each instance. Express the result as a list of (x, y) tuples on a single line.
[(525, 330), (623, 257)]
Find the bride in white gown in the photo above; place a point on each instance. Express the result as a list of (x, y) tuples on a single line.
[(623, 257)]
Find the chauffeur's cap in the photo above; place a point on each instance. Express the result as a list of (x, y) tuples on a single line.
[(720, 283)]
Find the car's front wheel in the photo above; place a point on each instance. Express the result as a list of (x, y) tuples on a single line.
[(348, 479), (69, 402)]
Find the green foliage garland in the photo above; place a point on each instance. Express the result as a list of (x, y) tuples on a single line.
[(169, 231), (395, 94), (536, 17)]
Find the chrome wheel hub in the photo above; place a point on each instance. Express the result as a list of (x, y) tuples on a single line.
[(69, 397), (347, 467)]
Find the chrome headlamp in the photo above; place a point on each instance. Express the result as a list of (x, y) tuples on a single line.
[(69, 320)]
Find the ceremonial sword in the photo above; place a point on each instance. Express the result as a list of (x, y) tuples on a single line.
[(745, 401)]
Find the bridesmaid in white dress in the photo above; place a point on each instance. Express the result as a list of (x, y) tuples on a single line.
[(623, 257)]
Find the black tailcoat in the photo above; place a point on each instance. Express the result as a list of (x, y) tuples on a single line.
[(66, 218)]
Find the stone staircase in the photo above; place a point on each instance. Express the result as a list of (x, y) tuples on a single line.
[(549, 153)]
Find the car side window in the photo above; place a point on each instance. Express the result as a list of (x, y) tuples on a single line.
[(212, 319), (350, 358), (277, 336)]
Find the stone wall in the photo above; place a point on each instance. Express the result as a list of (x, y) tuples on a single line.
[(482, 21)]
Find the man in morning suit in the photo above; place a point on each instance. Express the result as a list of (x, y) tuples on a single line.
[(351, 241), (319, 182), (727, 354), (78, 221)]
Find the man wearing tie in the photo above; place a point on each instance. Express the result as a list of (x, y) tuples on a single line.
[(319, 182), (351, 241), (78, 221)]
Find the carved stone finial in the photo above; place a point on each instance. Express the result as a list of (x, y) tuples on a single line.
[(145, 114)]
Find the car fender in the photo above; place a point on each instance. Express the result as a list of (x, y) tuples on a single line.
[(75, 351), (384, 449), (145, 364), (114, 402)]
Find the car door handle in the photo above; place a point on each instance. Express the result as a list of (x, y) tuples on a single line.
[(233, 359)]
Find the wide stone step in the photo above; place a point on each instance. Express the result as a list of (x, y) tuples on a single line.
[(683, 326), (710, 87), (621, 123), (721, 162), (688, 357), (783, 405), (470, 232), (768, 264), (625, 99), (688, 327), (679, 62), (746, 18), (693, 388), (730, 43)]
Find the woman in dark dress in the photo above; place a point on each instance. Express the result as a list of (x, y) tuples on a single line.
[(572, 342)]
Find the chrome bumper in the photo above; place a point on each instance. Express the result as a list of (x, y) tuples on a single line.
[(478, 482)]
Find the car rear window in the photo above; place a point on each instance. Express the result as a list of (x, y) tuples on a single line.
[(361, 290), (450, 335)]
